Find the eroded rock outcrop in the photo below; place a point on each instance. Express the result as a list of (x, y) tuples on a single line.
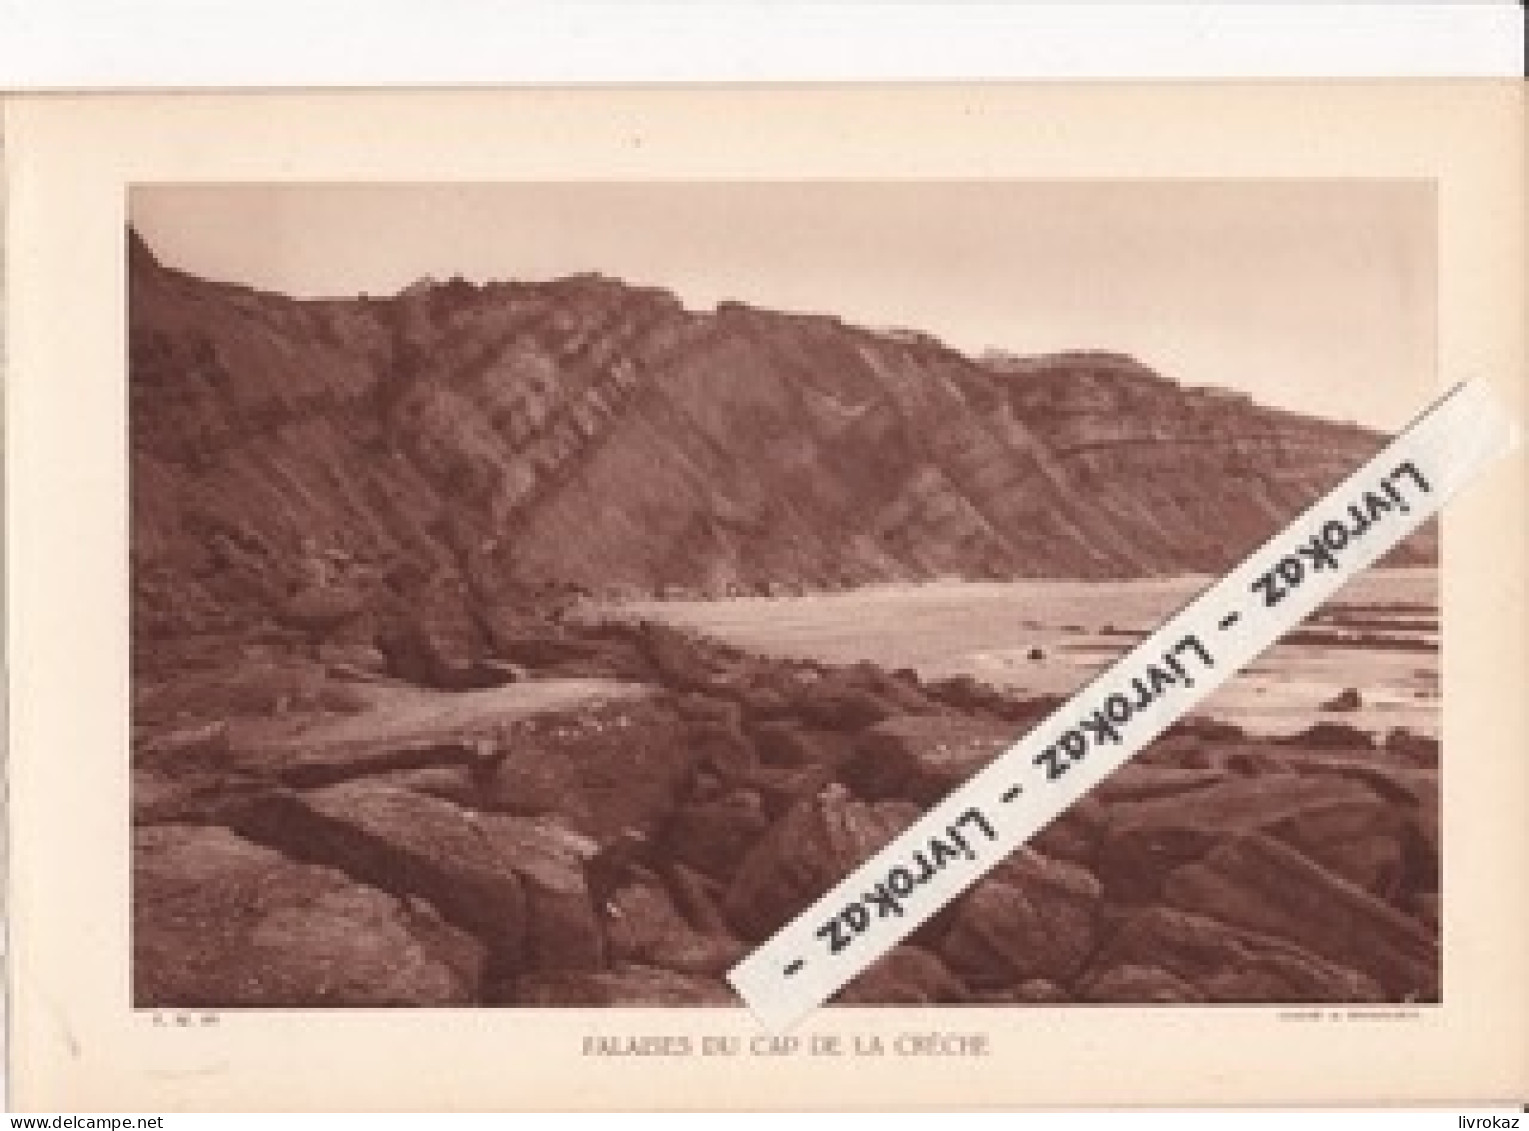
[(1164, 954), (220, 922), (408, 842), (632, 853), (1257, 883), (814, 846), (331, 464), (922, 758), (1033, 918), (644, 926), (1342, 823)]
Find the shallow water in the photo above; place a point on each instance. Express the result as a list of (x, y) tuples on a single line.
[(989, 629)]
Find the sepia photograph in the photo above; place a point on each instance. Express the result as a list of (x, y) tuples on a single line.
[(542, 592), (485, 566)]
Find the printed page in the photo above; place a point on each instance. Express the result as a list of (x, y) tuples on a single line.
[(480, 564)]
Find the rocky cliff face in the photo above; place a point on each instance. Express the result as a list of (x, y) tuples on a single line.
[(466, 446)]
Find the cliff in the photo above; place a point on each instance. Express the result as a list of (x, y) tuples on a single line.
[(484, 444)]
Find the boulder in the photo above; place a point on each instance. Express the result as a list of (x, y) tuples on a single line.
[(1031, 918), (921, 758), (1259, 884), (223, 923), (1413, 794), (624, 766), (905, 975), (1412, 797), (713, 837), (1356, 844), (526, 782), (1219, 961), (563, 930), (809, 850), (643, 926), (1342, 823), (625, 986), (639, 916), (406, 843), (1346, 700)]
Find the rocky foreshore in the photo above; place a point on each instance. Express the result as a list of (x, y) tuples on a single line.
[(614, 813)]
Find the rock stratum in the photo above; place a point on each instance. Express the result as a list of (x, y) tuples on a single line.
[(480, 443)]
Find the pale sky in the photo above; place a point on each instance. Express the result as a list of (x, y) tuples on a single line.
[(1318, 296)]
